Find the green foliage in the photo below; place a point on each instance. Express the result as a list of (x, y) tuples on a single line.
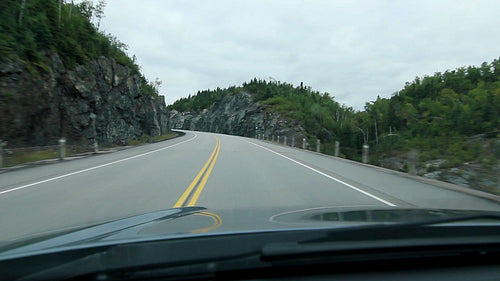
[(439, 114), (320, 114), (202, 99), (39, 27), (461, 102), (148, 139), (436, 114), (16, 157)]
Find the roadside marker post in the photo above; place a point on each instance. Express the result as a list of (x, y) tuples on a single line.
[(366, 149), (62, 148), (2, 144)]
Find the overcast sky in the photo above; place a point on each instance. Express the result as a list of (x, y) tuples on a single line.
[(354, 50)]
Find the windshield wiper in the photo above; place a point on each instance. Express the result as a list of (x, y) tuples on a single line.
[(398, 239), (94, 233), (465, 218)]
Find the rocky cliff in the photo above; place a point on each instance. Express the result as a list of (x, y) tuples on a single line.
[(238, 115), (101, 100)]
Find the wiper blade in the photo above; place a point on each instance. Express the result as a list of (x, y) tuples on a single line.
[(96, 232), (480, 216), (373, 238)]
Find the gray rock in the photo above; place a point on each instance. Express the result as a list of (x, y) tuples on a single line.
[(38, 109), (238, 115)]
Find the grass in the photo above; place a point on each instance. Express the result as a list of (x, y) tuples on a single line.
[(16, 157), (19, 157), (149, 139)]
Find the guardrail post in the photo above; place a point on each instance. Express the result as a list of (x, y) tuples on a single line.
[(285, 141), (62, 148), (412, 161), (93, 117), (2, 144), (318, 145), (337, 149), (366, 149), (303, 143)]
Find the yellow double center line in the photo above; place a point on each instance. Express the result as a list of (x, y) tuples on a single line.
[(196, 187)]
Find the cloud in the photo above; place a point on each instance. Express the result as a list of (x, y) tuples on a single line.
[(355, 50)]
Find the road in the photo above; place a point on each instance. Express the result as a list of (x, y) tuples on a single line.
[(220, 172)]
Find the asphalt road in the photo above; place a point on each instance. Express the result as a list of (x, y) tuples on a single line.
[(219, 172)]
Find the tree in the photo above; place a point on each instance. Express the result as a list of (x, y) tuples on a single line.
[(99, 12), (21, 11)]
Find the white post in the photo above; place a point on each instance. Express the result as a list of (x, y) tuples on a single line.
[(278, 139), (366, 149), (303, 143), (2, 144), (285, 141), (318, 144), (62, 148), (93, 117), (293, 141), (337, 149), (412, 161)]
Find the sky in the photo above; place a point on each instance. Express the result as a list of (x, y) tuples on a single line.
[(354, 50)]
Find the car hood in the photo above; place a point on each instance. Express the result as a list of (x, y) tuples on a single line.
[(191, 221)]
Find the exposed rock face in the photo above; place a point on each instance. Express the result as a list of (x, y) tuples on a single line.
[(37, 107), (238, 115)]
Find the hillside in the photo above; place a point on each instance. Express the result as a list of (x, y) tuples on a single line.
[(444, 126), (62, 77)]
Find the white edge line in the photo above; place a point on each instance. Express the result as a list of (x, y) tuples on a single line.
[(328, 176), (96, 167)]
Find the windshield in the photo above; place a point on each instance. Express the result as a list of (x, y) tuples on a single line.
[(267, 114)]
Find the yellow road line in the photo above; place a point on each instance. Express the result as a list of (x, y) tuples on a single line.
[(196, 182), (215, 217), (198, 191)]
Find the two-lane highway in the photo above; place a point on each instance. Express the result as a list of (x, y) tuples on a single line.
[(220, 172)]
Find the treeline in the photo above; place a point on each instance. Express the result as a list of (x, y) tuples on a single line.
[(438, 115), (30, 29), (321, 115), (442, 116)]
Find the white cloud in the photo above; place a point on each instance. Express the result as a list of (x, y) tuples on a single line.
[(355, 50)]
